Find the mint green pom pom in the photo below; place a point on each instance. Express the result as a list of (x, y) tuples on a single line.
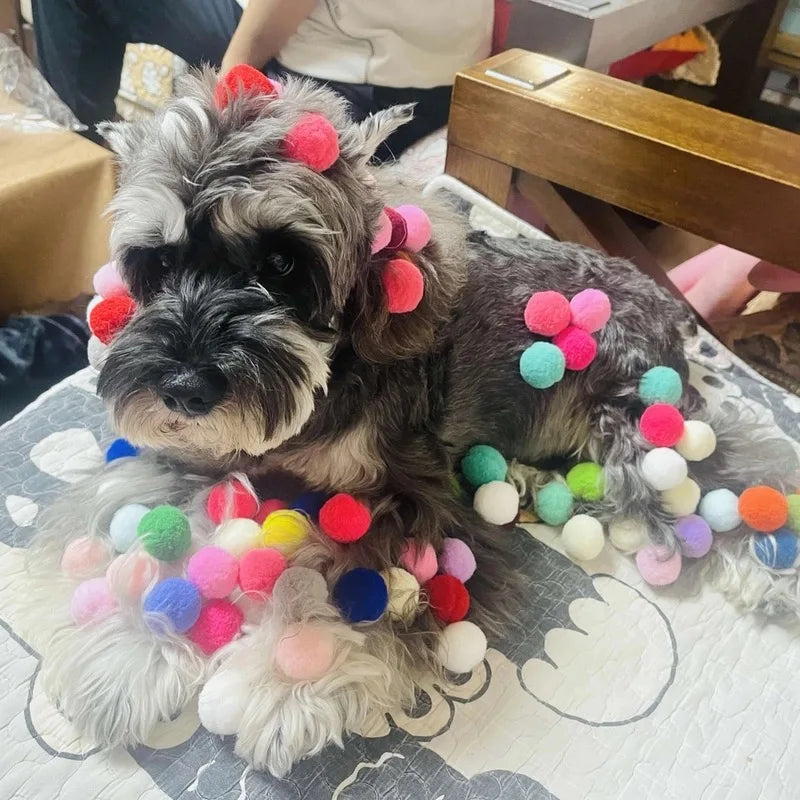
[(165, 533), (660, 385), (586, 480), (542, 365), (483, 464), (554, 503)]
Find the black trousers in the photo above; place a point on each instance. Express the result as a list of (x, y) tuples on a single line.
[(81, 44)]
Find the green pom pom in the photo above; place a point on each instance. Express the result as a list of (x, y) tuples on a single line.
[(483, 464), (660, 385), (542, 365), (165, 533), (794, 512), (554, 503), (587, 481)]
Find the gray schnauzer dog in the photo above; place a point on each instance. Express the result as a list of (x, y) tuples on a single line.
[(262, 345)]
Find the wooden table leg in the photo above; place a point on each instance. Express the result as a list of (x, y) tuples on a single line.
[(491, 178)]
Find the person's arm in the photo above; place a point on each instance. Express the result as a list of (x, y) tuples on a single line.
[(263, 29)]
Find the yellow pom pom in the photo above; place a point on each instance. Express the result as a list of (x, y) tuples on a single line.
[(285, 530)]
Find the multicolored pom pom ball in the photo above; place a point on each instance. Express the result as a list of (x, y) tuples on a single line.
[(219, 622), (214, 571), (658, 566), (660, 385), (418, 227), (542, 365), (237, 536), (720, 509), (92, 601), (763, 508), (554, 503), (285, 530), (496, 502), (403, 594), (344, 519), (681, 500), (448, 598), (462, 646), (698, 441), (361, 595), (694, 536), (578, 346), (165, 533), (110, 316), (305, 652), (582, 537), (662, 425), (776, 551), (483, 464), (403, 285), (120, 448), (547, 313), (457, 559), (664, 469), (122, 530), (419, 560), (312, 141), (231, 499), (590, 310), (85, 556), (172, 605), (260, 568), (587, 481), (241, 80)]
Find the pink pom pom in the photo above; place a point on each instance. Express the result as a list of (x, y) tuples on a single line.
[(419, 561), (108, 283), (214, 571), (130, 574), (84, 556), (547, 313), (344, 519), (312, 141), (266, 508), (384, 233), (240, 80), (92, 601), (591, 309), (657, 566), (456, 559), (578, 346), (260, 568), (418, 227), (399, 229), (219, 622), (305, 652), (662, 425), (403, 285), (229, 500)]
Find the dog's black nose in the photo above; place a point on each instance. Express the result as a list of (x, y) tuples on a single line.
[(192, 392)]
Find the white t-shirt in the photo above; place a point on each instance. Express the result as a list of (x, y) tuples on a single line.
[(399, 43)]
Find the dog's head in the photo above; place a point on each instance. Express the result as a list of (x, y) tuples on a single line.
[(249, 268)]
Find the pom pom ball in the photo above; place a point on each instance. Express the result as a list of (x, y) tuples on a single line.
[(547, 313), (313, 141), (793, 501), (664, 469), (305, 652), (419, 561), (694, 536), (285, 531), (418, 227), (554, 503), (497, 502), (658, 566), (310, 503), (776, 551), (222, 702), (483, 464), (96, 352), (237, 536), (107, 281), (542, 365), (231, 499), (124, 525), (457, 559), (698, 441), (361, 595), (344, 519), (92, 601), (93, 303), (297, 582), (84, 556), (582, 537), (165, 533), (720, 509), (403, 593), (590, 310), (403, 285), (763, 508), (578, 346), (175, 600), (259, 569), (662, 425), (110, 316), (660, 385), (130, 574), (241, 80), (267, 507), (214, 571), (448, 598), (462, 646), (587, 481), (399, 229), (219, 623), (627, 534), (383, 234), (681, 500), (120, 448)]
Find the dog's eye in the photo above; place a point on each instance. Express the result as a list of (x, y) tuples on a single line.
[(276, 263)]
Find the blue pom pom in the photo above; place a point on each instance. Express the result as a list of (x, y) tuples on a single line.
[(174, 600), (310, 503), (777, 550), (483, 464), (542, 365), (660, 385), (361, 595), (120, 448), (554, 503)]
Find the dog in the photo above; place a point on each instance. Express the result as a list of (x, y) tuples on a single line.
[(262, 344)]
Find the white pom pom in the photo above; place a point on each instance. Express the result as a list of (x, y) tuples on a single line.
[(124, 524), (238, 535), (403, 593), (664, 469), (222, 702), (96, 352), (698, 441), (462, 646), (720, 509), (682, 499), (93, 303), (497, 502), (582, 537), (297, 582), (628, 534)]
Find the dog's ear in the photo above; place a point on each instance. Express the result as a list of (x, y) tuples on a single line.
[(367, 136), (123, 138)]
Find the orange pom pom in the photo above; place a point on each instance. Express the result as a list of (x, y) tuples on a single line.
[(764, 509)]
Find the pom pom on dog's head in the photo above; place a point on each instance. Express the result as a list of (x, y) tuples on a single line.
[(250, 263)]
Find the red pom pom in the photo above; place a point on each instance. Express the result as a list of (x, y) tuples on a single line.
[(547, 313), (448, 597), (110, 316), (403, 285), (344, 519), (662, 425), (266, 508), (260, 568), (218, 624), (241, 79), (231, 500), (312, 141), (763, 508), (579, 348), (399, 229)]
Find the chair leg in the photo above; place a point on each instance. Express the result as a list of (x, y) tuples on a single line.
[(491, 178)]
